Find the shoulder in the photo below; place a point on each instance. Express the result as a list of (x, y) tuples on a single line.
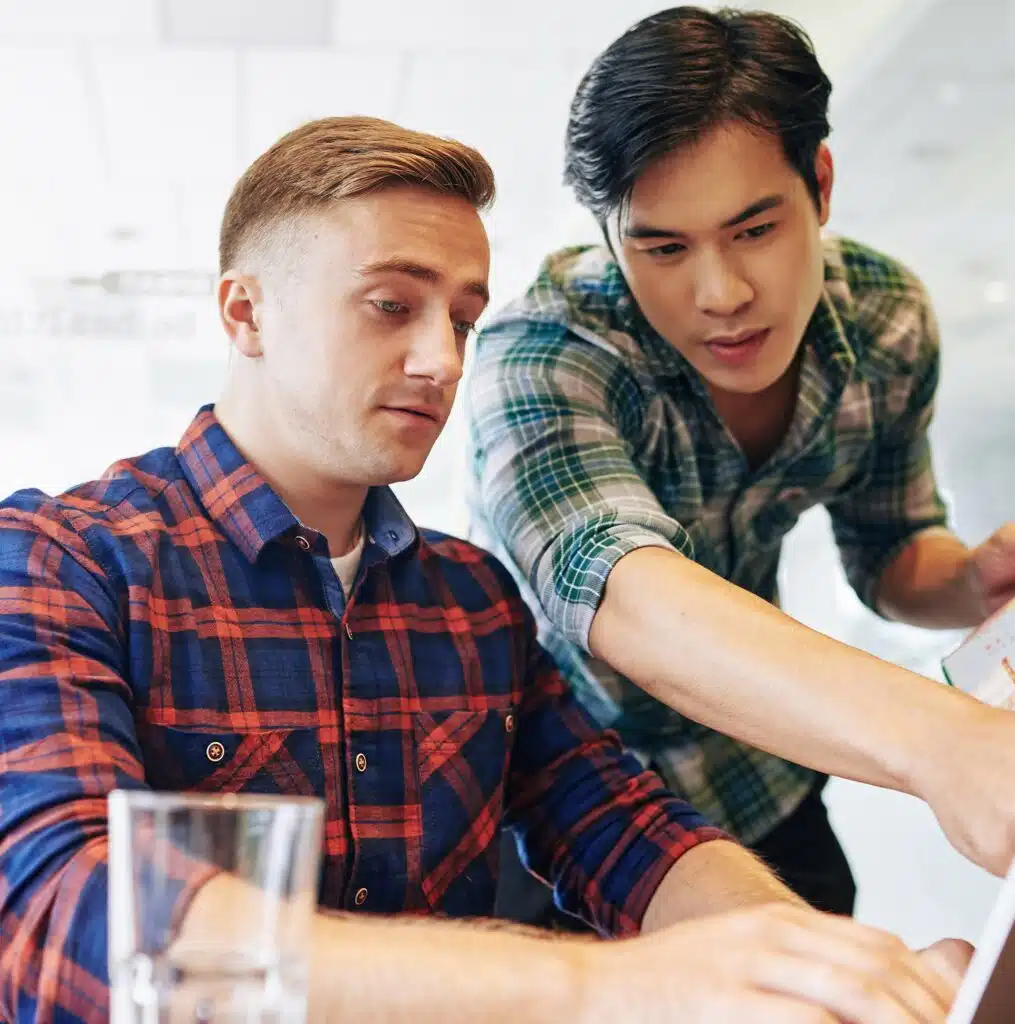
[(579, 301), (477, 579), (126, 502), (883, 301), (569, 342)]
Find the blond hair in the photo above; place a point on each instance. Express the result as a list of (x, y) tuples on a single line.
[(339, 158)]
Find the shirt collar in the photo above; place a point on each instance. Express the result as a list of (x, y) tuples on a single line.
[(250, 513), (830, 349), (388, 524)]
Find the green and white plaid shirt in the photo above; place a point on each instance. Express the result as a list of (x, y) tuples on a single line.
[(591, 437)]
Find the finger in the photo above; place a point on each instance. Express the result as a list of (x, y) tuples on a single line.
[(950, 958), (875, 954), (886, 947), (850, 995)]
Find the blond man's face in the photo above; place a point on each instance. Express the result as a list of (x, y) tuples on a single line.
[(363, 330)]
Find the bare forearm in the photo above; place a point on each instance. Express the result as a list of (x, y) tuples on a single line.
[(412, 969), (928, 584), (419, 971), (714, 878), (729, 660)]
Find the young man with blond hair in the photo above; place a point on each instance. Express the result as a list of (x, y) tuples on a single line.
[(257, 591)]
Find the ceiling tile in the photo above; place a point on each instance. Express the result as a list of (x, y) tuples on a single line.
[(525, 26), (245, 22), (316, 84), (78, 19), (45, 117), (168, 115)]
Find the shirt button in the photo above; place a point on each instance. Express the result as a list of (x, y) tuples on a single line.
[(361, 897), (215, 752), (509, 723), (303, 542), (348, 630), (361, 762)]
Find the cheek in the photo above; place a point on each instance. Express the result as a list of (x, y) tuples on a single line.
[(793, 275), (343, 353), (663, 296), (812, 273)]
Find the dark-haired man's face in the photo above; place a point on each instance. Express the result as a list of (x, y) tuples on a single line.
[(361, 334), (721, 247)]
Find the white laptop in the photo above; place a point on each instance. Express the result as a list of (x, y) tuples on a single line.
[(987, 995)]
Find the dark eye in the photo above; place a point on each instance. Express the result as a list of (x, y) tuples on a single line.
[(669, 249), (759, 230), (389, 306)]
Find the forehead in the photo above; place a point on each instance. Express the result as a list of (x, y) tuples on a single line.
[(411, 222), (704, 184)]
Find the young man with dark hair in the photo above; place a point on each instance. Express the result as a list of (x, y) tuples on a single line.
[(252, 611), (651, 418)]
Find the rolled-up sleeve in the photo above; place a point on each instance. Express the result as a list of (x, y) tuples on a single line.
[(67, 738), (549, 417), (900, 498), (588, 818)]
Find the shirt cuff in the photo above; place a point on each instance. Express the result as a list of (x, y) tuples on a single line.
[(578, 565), (654, 865)]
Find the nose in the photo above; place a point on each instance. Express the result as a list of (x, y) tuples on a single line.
[(436, 353), (719, 289)]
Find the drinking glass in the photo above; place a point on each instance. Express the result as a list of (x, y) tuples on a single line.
[(211, 900)]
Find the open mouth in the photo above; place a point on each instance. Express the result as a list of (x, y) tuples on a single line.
[(738, 350)]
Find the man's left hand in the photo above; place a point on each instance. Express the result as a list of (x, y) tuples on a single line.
[(991, 569)]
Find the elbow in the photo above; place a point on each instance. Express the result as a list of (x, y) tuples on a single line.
[(53, 945)]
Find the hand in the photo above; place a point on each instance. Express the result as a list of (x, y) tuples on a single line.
[(991, 571), (966, 776), (778, 963)]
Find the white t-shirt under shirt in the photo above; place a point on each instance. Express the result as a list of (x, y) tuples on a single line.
[(347, 565)]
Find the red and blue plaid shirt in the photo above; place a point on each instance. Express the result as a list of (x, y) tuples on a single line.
[(174, 626)]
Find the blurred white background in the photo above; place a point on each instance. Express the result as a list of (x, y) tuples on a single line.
[(125, 123)]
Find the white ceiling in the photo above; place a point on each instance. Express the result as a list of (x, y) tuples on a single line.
[(133, 117), (120, 147)]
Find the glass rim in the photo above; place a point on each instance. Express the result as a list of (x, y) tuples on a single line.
[(152, 800)]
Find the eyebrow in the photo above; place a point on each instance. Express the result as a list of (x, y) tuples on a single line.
[(398, 265), (762, 205)]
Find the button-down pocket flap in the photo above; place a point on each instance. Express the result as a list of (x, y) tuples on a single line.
[(282, 761)]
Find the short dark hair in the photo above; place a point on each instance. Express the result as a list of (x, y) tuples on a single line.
[(335, 158), (676, 75)]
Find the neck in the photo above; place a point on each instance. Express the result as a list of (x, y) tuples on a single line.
[(760, 421), (285, 458)]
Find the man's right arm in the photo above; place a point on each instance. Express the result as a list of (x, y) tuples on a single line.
[(66, 739), (549, 416), (779, 962), (749, 670)]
